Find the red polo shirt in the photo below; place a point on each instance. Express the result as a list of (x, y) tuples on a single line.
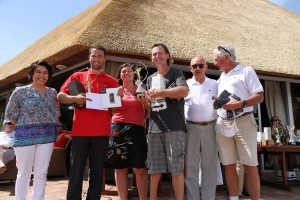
[(90, 122)]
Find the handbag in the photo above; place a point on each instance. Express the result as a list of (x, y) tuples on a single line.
[(222, 99)]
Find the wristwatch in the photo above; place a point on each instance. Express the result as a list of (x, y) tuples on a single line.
[(245, 104)]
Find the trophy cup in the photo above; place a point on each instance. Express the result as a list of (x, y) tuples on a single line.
[(277, 136), (292, 135), (140, 79)]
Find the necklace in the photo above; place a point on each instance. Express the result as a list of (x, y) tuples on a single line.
[(89, 83)]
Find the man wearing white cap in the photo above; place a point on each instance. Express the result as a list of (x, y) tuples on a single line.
[(236, 136), (6, 145)]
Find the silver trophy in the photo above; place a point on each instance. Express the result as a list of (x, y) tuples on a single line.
[(140, 78), (292, 135), (277, 136)]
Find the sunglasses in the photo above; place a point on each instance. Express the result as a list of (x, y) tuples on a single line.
[(194, 66), (9, 123), (222, 48), (274, 120)]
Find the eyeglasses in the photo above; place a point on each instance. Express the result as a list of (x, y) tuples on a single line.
[(222, 48), (194, 66), (9, 123), (274, 120)]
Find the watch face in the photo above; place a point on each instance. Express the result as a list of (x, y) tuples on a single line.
[(244, 104)]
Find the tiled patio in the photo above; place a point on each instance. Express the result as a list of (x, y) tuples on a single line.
[(57, 187)]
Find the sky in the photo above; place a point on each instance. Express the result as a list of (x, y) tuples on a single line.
[(24, 22)]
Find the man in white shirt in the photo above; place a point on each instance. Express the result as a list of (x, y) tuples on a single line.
[(6, 145), (201, 146), (241, 144)]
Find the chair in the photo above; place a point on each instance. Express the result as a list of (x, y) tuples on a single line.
[(59, 161), (58, 165), (11, 173)]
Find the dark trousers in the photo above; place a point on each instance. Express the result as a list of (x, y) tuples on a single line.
[(95, 149)]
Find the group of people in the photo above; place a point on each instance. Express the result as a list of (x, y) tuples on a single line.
[(185, 131)]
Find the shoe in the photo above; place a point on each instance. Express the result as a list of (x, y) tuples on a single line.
[(3, 170)]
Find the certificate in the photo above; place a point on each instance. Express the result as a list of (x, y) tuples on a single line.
[(96, 101), (110, 99)]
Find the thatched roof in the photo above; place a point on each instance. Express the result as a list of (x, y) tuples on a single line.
[(265, 35)]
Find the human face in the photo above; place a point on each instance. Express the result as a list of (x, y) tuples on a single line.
[(275, 121), (97, 59), (198, 72), (8, 127), (159, 56), (40, 75), (126, 74), (219, 61)]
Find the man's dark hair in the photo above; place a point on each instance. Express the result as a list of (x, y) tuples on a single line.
[(169, 61), (98, 47), (43, 63)]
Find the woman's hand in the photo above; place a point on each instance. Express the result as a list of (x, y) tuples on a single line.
[(144, 101), (121, 91)]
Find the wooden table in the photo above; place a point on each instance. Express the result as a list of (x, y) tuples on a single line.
[(282, 150)]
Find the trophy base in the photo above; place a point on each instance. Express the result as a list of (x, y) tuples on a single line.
[(138, 94)]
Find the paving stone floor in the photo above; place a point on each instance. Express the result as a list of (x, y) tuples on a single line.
[(56, 190)]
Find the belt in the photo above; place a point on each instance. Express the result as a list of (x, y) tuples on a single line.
[(244, 114), (200, 123)]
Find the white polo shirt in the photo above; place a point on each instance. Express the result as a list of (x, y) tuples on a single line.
[(241, 81), (198, 105)]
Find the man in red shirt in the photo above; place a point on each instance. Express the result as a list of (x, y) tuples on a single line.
[(91, 127)]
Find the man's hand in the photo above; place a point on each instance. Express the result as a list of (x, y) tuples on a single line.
[(81, 99), (232, 105), (154, 93)]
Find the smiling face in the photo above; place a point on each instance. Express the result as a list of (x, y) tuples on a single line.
[(40, 75), (198, 68), (127, 74), (159, 56), (97, 59)]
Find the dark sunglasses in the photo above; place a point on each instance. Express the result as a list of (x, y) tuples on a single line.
[(222, 48), (274, 120), (194, 66), (9, 123)]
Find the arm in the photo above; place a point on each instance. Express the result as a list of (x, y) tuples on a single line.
[(145, 103), (173, 93), (64, 98), (251, 101)]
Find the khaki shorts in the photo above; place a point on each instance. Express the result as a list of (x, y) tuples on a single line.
[(166, 152), (242, 146)]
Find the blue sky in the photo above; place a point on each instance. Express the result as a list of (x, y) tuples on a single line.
[(24, 22)]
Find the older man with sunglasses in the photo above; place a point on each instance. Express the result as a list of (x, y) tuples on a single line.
[(201, 146), (6, 145), (240, 144)]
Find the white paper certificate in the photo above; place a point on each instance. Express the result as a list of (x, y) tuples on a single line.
[(96, 102), (110, 99), (158, 82)]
